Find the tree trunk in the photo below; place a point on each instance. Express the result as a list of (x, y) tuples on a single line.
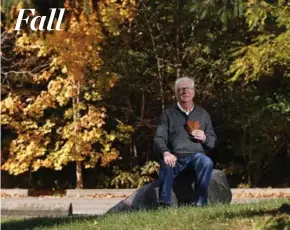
[(79, 174), (160, 81), (159, 65), (76, 116)]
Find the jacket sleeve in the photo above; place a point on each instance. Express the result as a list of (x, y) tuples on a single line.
[(161, 136), (211, 137)]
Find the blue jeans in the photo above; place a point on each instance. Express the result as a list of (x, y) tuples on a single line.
[(202, 166)]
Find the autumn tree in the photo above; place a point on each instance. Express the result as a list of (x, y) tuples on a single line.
[(62, 121)]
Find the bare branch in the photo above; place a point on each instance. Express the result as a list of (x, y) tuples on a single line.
[(7, 59), (39, 68), (160, 77), (19, 72)]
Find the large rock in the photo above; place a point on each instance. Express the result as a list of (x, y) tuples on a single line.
[(182, 192)]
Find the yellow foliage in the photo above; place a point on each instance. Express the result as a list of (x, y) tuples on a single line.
[(75, 125), (11, 105), (36, 108), (109, 156)]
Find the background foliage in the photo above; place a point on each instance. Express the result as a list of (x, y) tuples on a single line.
[(85, 100)]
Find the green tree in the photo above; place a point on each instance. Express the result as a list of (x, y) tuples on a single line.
[(169, 40)]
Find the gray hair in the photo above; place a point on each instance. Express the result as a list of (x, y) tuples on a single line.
[(183, 79)]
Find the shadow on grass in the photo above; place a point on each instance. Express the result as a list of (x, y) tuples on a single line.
[(37, 222), (248, 213), (31, 223)]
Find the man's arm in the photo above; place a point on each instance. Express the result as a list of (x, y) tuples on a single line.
[(211, 137), (161, 135), (161, 142)]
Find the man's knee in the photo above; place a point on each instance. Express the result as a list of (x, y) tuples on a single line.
[(165, 169), (164, 166), (206, 162)]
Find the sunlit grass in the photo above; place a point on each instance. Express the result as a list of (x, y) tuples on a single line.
[(234, 216)]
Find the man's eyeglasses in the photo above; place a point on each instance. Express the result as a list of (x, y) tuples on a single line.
[(185, 89)]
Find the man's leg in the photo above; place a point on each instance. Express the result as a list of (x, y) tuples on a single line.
[(166, 177), (203, 167)]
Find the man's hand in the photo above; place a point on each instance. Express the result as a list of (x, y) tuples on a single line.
[(169, 159), (199, 135)]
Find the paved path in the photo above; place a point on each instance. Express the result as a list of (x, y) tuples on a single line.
[(81, 204)]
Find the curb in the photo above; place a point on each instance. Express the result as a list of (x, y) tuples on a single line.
[(126, 192), (35, 209)]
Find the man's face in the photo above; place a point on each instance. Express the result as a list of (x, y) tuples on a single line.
[(185, 92)]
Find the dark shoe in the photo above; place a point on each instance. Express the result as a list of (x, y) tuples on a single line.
[(197, 205), (200, 205), (164, 205)]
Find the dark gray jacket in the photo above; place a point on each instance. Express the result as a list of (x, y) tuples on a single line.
[(171, 134)]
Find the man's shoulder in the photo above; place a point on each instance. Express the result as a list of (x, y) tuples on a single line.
[(200, 110), (171, 109), (174, 108)]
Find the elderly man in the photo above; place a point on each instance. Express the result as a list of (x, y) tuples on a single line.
[(183, 146)]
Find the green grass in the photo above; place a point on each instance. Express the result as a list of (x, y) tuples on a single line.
[(218, 217)]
